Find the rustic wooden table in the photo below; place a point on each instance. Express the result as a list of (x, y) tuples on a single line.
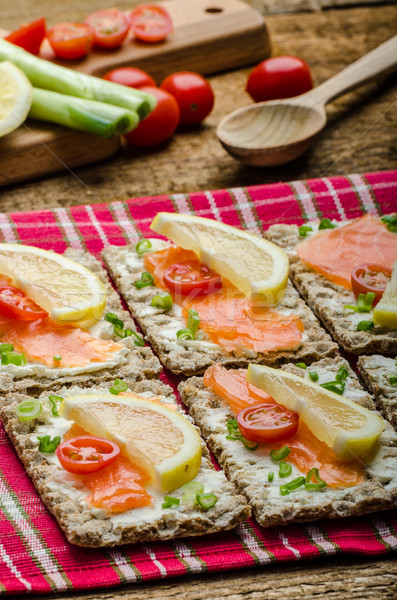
[(328, 34)]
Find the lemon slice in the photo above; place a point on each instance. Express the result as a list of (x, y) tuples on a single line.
[(16, 95), (153, 436), (385, 312), (65, 289), (348, 428), (255, 266)]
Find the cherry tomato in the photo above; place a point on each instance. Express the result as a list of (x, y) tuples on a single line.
[(14, 304), (71, 40), (130, 76), (370, 278), (267, 423), (86, 454), (279, 77), (150, 23), (193, 93), (110, 27), (160, 124), (30, 36), (190, 277)]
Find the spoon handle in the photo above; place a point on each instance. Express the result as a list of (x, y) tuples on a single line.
[(381, 60)]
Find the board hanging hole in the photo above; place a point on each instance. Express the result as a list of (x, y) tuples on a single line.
[(213, 10)]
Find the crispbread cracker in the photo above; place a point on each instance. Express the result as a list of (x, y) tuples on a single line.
[(327, 299), (376, 371), (141, 362), (193, 357), (249, 470), (94, 528)]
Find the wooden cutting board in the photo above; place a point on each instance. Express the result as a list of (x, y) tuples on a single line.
[(208, 37)]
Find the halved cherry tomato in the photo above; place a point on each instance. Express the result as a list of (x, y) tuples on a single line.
[(71, 40), (14, 304), (110, 27), (370, 278), (86, 454), (190, 277), (29, 37), (130, 76), (150, 23), (267, 423), (279, 77), (193, 93)]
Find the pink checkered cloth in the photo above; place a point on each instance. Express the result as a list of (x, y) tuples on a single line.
[(34, 554)]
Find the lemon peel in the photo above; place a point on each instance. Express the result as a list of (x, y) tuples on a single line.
[(16, 95)]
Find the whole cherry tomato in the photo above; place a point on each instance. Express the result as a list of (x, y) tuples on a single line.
[(279, 77), (160, 124), (150, 22), (370, 278), (130, 76), (71, 40), (193, 93), (29, 37), (14, 304), (191, 276), (86, 454), (110, 27), (267, 422)]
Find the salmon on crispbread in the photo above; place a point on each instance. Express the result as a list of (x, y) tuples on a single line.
[(380, 376)]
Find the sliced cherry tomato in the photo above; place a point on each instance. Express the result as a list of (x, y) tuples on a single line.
[(191, 277), (110, 27), (279, 77), (14, 304), (130, 76), (160, 124), (370, 278), (30, 36), (71, 40), (150, 23), (267, 423), (86, 454), (193, 93)]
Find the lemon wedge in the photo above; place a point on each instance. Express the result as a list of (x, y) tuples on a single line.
[(349, 429), (385, 312), (151, 435), (16, 95), (65, 289), (255, 266)]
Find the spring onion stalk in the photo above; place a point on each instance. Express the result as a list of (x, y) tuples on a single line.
[(118, 386), (319, 483), (112, 318), (234, 432), (304, 229), (53, 403), (170, 501), (326, 224), (391, 222), (28, 409), (143, 246), (145, 280), (365, 326), (338, 387), (193, 320), (190, 491), (313, 375), (6, 348), (342, 374), (364, 303), (49, 76), (251, 446), (207, 501), (284, 490), (270, 476), (185, 334), (163, 301), (138, 340), (279, 454), (295, 483), (13, 358), (301, 365), (284, 469), (91, 116)]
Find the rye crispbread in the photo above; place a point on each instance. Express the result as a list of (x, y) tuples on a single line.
[(140, 362), (376, 371), (193, 357), (327, 299), (94, 527), (249, 470)]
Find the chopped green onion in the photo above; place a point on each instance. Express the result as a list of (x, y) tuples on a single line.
[(162, 301), (313, 375), (338, 387), (319, 483), (145, 280), (270, 476), (326, 224), (284, 490), (13, 358), (301, 365), (364, 303), (207, 500), (280, 454), (185, 334), (119, 331), (284, 469), (393, 380), (56, 358), (28, 409), (193, 320), (53, 403), (365, 326), (6, 348), (342, 374), (248, 444), (295, 483), (190, 491), (170, 501), (112, 318), (391, 222), (47, 445), (304, 229), (143, 246), (118, 386), (234, 432), (138, 340)]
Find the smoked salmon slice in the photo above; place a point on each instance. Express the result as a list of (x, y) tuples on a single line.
[(336, 252)]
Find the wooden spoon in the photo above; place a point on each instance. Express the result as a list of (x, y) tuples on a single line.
[(275, 132)]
